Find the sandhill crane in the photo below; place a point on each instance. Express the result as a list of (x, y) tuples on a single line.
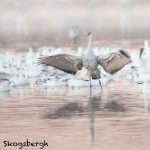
[(144, 57), (141, 73), (140, 68), (145, 51), (111, 63), (74, 34), (20, 17), (125, 17)]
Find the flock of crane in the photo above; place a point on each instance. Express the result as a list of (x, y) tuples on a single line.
[(84, 68)]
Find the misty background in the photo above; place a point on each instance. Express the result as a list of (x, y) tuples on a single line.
[(57, 21)]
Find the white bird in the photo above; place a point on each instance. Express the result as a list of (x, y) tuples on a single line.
[(21, 80), (5, 84), (111, 62)]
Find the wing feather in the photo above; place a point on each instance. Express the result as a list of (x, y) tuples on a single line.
[(115, 61), (67, 63)]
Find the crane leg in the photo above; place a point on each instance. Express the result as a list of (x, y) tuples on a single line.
[(90, 84), (100, 85)]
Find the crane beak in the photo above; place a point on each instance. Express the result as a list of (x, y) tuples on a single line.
[(141, 51)]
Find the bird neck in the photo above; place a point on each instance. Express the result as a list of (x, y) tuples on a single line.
[(90, 43)]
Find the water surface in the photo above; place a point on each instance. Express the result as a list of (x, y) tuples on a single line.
[(75, 118)]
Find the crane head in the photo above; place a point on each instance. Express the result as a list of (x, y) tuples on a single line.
[(89, 34)]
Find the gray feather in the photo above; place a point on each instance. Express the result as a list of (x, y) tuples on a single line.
[(115, 61), (67, 63)]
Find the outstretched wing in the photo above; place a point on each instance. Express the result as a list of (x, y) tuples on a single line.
[(114, 61), (67, 63)]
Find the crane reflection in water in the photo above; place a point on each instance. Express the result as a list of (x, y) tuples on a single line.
[(92, 111)]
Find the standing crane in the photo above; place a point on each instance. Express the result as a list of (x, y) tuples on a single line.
[(111, 63)]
